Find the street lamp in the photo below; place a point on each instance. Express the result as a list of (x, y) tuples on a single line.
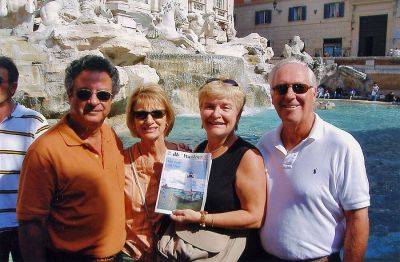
[(275, 4)]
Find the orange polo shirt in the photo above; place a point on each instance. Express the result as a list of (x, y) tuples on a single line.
[(79, 194)]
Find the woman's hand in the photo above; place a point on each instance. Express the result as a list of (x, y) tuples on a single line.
[(183, 147), (178, 146), (186, 216)]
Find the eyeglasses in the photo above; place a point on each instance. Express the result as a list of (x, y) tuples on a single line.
[(84, 94), (226, 81), (298, 88), (156, 114)]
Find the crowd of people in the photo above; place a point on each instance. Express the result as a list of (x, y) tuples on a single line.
[(73, 193), (325, 93)]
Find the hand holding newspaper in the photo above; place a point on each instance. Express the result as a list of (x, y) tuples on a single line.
[(184, 181)]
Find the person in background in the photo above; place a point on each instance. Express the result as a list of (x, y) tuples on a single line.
[(352, 93), (149, 117), (19, 127), (71, 201), (374, 91), (321, 91), (236, 193), (318, 193)]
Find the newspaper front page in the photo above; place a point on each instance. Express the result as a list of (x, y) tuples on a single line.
[(184, 181)]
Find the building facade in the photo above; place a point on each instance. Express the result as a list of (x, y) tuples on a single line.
[(328, 27), (222, 9)]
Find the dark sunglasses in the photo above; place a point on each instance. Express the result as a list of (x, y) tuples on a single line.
[(226, 81), (85, 94), (156, 114), (297, 88)]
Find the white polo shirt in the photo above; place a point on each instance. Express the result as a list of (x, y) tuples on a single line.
[(309, 188), (17, 132)]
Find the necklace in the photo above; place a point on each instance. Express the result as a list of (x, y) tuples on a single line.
[(213, 151), (226, 142)]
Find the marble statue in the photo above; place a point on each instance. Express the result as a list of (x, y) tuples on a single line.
[(209, 25), (94, 11), (62, 12), (230, 30), (163, 25), (18, 15), (196, 22), (13, 6), (296, 48)]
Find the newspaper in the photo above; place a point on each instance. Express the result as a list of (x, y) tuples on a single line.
[(184, 181)]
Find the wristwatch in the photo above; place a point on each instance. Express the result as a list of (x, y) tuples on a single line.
[(203, 218)]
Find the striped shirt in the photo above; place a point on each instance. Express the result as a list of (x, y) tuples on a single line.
[(17, 132)]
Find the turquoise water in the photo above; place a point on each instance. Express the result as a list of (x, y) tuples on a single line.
[(376, 127)]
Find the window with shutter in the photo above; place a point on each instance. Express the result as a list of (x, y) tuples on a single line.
[(297, 13), (263, 17), (332, 10)]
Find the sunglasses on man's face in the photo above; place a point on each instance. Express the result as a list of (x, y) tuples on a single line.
[(84, 94), (298, 88), (156, 114), (226, 81)]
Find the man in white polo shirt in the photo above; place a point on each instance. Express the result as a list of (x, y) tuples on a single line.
[(19, 127), (318, 193)]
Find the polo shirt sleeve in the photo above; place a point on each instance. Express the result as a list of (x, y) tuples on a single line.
[(36, 187), (353, 186)]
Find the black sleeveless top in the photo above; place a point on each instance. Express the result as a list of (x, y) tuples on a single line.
[(221, 192)]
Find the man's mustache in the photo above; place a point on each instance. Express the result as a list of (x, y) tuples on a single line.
[(88, 109)]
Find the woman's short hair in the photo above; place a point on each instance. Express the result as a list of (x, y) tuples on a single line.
[(223, 88), (149, 94)]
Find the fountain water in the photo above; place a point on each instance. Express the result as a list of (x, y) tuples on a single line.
[(182, 75)]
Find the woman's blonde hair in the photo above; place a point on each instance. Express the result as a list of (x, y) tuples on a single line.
[(149, 94), (223, 88)]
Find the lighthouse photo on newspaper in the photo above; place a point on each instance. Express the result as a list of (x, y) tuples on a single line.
[(184, 181)]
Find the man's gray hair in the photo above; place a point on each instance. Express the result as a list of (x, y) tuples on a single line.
[(292, 60)]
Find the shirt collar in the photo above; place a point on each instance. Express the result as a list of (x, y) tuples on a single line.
[(317, 129), (18, 111), (71, 138), (315, 134)]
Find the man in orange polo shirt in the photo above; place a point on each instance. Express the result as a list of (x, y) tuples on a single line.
[(71, 201)]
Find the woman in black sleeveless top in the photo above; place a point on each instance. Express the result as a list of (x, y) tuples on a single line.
[(236, 194)]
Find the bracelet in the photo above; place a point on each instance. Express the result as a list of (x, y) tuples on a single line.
[(212, 220), (203, 218)]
